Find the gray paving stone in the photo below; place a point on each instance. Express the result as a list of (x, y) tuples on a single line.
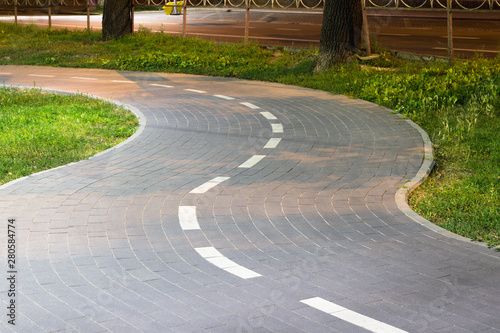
[(101, 248)]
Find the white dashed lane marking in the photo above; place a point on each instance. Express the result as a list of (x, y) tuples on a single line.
[(468, 50), (288, 29), (225, 97), (122, 81), (250, 105), (41, 75), (458, 37), (272, 143), (277, 128), (160, 85), (268, 115), (187, 214), (84, 78), (208, 185), (187, 218), (196, 91), (213, 256), (350, 316), (252, 161)]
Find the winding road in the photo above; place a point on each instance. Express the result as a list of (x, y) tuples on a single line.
[(237, 206)]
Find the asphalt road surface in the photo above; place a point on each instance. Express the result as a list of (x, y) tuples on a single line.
[(412, 32)]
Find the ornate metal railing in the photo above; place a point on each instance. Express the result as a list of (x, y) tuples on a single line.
[(468, 5), (48, 5), (463, 5), (43, 3), (284, 4)]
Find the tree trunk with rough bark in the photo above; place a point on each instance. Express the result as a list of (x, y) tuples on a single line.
[(116, 19), (340, 33)]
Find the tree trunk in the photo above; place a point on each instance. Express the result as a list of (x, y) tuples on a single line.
[(116, 19), (340, 33)]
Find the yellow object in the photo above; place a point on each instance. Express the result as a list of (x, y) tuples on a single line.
[(169, 8)]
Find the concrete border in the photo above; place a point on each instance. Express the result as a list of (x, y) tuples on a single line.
[(423, 173)]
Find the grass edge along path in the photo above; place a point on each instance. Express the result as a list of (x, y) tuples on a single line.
[(457, 105), (43, 130)]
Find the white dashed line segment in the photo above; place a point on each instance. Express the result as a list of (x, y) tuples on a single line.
[(122, 81), (196, 91), (252, 161), (277, 128), (350, 316), (242, 272), (41, 75), (84, 78), (187, 218), (250, 105), (268, 115), (469, 50), (272, 143), (213, 256), (208, 185), (160, 85), (460, 37), (221, 262), (208, 252), (225, 97)]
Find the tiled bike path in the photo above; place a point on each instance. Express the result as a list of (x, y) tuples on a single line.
[(238, 206)]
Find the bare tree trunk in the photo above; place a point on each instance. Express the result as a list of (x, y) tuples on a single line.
[(116, 19), (341, 32)]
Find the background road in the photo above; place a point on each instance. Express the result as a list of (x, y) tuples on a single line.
[(412, 32)]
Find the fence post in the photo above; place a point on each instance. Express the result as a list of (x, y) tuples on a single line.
[(88, 15), (15, 11), (184, 20), (247, 22), (50, 14), (450, 29), (366, 30)]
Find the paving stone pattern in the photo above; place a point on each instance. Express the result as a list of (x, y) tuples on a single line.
[(100, 247)]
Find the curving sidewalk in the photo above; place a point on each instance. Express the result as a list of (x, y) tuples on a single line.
[(237, 207)]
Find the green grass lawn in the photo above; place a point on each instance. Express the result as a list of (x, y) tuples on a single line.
[(44, 130), (458, 105)]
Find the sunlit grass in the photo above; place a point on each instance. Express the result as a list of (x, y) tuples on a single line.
[(44, 130)]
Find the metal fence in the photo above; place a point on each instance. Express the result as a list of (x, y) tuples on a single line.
[(283, 4), (47, 5), (467, 5), (448, 6)]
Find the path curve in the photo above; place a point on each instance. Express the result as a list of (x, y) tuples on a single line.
[(240, 206)]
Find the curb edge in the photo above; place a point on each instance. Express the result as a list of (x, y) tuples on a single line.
[(401, 196)]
